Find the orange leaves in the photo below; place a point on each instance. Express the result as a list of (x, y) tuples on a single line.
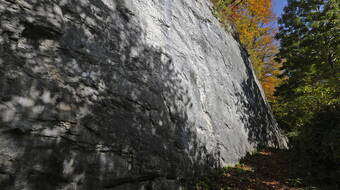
[(260, 9), (269, 84), (252, 19), (252, 23)]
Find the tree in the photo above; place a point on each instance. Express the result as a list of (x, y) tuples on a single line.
[(257, 35), (310, 44), (308, 101), (251, 18)]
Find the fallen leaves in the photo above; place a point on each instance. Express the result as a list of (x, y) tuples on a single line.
[(264, 170)]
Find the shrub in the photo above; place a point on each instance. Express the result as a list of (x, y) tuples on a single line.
[(318, 144)]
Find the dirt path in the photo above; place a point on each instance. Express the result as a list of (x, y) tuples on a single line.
[(265, 170)]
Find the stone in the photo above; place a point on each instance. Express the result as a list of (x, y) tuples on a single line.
[(104, 94)]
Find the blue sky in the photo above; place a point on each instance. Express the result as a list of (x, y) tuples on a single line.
[(278, 6)]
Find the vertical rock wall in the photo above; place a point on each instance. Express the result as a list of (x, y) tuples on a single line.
[(122, 94)]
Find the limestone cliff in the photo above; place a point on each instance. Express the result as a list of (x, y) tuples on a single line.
[(123, 94)]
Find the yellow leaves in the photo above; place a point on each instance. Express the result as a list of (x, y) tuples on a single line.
[(269, 84), (257, 37), (261, 9), (251, 19)]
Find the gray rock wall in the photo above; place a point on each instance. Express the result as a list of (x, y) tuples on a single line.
[(123, 94)]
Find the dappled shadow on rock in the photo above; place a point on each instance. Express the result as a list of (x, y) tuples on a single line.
[(85, 104), (259, 121)]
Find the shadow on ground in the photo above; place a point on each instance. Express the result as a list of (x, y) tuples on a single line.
[(269, 169)]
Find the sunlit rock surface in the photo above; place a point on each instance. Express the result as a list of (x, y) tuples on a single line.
[(129, 94)]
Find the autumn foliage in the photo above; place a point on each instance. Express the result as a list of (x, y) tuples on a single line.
[(252, 19)]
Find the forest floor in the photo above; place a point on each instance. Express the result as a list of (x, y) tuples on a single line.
[(268, 169)]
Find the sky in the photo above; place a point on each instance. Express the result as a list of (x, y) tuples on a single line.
[(278, 6)]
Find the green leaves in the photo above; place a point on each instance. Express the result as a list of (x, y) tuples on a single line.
[(309, 35), (308, 102)]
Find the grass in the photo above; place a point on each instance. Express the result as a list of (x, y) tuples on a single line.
[(268, 169)]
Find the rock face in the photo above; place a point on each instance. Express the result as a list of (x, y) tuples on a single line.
[(123, 94)]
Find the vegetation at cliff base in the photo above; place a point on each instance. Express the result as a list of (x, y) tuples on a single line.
[(299, 69)]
